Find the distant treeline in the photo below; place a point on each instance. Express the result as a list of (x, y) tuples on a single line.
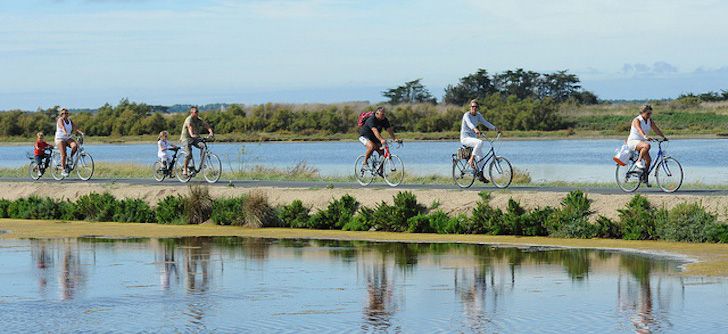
[(130, 118)]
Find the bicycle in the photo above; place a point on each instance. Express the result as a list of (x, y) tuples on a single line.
[(668, 171), (35, 170), (82, 163), (160, 171), (211, 166), (388, 166), (499, 168)]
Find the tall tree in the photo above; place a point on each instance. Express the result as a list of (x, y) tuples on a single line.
[(411, 92), (477, 85)]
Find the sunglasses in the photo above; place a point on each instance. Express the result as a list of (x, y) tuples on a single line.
[(474, 106)]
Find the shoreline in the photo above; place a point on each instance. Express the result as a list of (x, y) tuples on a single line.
[(701, 259)]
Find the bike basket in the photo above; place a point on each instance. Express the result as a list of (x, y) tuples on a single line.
[(464, 152)]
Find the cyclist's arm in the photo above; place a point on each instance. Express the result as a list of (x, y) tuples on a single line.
[(657, 130), (378, 135), (59, 123), (391, 133), (208, 127), (486, 123), (189, 130)]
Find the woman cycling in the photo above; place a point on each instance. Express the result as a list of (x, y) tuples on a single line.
[(638, 139), (469, 134), (64, 129)]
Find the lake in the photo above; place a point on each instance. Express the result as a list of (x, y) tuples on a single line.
[(704, 160), (291, 286)]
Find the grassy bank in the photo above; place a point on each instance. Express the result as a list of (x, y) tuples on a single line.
[(713, 258)]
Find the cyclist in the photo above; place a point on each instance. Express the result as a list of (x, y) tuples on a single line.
[(370, 133), (469, 135), (163, 148), (64, 129), (39, 150), (191, 135), (638, 139)]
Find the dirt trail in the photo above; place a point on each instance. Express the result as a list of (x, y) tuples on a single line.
[(451, 201)]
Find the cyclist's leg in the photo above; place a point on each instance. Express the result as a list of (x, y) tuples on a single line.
[(476, 144), (74, 147), (61, 144), (644, 148), (370, 145), (187, 147), (201, 146)]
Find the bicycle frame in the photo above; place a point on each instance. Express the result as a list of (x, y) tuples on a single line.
[(657, 161), (488, 156), (203, 154)]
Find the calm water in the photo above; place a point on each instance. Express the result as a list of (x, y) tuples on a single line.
[(260, 285), (553, 160)]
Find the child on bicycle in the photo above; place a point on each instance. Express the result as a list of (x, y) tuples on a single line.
[(39, 149), (163, 149)]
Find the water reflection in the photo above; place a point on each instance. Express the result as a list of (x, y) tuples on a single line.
[(204, 283)]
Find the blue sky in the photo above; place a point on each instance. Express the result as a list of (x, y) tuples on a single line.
[(83, 53)]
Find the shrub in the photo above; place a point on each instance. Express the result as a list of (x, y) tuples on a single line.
[(607, 228), (295, 215), (336, 215), (572, 219), (718, 233), (228, 211), (258, 211), (686, 222), (457, 225), (4, 204), (35, 208), (419, 224), (97, 207), (638, 219), (197, 205), (133, 210), (533, 223), (170, 210), (361, 221), (485, 219)]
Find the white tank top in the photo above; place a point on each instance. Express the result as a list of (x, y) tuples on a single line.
[(60, 135), (646, 126)]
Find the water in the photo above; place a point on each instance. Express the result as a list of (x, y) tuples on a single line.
[(263, 285), (704, 160)]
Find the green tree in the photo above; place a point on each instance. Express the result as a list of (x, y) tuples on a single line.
[(473, 86), (411, 92)]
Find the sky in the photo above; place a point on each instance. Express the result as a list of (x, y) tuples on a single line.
[(84, 53)]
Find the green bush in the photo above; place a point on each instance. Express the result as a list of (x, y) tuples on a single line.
[(295, 214), (459, 224), (133, 210), (97, 207), (572, 219), (197, 205), (4, 204), (607, 228), (361, 221), (170, 210), (485, 219), (718, 233), (336, 215), (686, 222), (228, 211), (638, 219), (533, 223), (35, 208)]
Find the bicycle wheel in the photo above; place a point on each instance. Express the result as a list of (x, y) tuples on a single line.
[(85, 166), (363, 173), (56, 169), (462, 173), (158, 171), (669, 175), (628, 177), (34, 171), (393, 170), (212, 169), (501, 172), (179, 168)]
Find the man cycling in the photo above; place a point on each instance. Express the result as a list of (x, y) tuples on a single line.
[(469, 135), (370, 133), (191, 135), (639, 138)]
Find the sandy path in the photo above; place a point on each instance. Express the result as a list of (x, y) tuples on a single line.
[(452, 201)]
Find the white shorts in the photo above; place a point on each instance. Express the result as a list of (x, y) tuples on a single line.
[(632, 144), (364, 140)]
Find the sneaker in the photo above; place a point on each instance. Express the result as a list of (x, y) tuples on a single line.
[(640, 165), (482, 178), (646, 181), (64, 174)]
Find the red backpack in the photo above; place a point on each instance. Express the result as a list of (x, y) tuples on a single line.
[(363, 117)]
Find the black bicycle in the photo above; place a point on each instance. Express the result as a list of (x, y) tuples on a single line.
[(210, 167), (499, 168), (162, 170), (35, 170)]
